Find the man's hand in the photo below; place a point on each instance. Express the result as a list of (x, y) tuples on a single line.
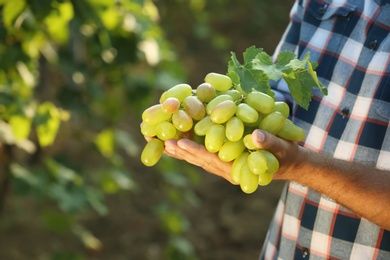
[(196, 154)]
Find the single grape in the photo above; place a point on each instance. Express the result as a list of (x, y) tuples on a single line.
[(205, 92), (272, 162), (194, 107), (231, 150), (247, 113), (215, 101), (170, 105), (291, 132), (152, 152), (262, 102), (148, 130), (182, 121), (273, 122), (219, 81), (265, 178), (154, 115), (202, 126), (165, 131), (282, 107), (215, 137), (235, 94), (179, 91), (235, 171), (248, 142), (234, 129), (257, 162), (223, 112), (248, 180)]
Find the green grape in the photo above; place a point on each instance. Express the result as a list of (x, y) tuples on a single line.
[(148, 130), (272, 162), (152, 152), (219, 81), (202, 126), (235, 171), (231, 150), (182, 121), (235, 94), (234, 129), (265, 178), (256, 124), (291, 132), (205, 92), (165, 131), (154, 115), (215, 137), (282, 107), (257, 162), (179, 91), (273, 122), (248, 180), (247, 113), (194, 107), (170, 105), (223, 112), (248, 142), (262, 102), (215, 101)]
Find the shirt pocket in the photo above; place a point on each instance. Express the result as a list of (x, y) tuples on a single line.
[(324, 30)]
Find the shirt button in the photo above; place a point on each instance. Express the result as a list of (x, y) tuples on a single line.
[(322, 9), (373, 44), (345, 111), (305, 252)]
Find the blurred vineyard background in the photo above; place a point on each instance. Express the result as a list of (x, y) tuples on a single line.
[(75, 76)]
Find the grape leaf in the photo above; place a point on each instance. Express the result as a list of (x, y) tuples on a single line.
[(249, 77), (259, 69), (263, 62)]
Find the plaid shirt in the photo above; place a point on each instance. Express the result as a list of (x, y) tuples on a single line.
[(351, 42)]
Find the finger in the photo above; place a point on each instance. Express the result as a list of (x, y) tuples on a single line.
[(198, 155), (272, 143)]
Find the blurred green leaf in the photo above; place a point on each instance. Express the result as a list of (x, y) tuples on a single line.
[(105, 142), (11, 10), (58, 221), (21, 126), (47, 122)]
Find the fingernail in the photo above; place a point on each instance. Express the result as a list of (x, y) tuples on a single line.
[(181, 144), (169, 149), (260, 136)]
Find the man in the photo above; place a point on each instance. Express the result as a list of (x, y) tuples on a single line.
[(336, 203)]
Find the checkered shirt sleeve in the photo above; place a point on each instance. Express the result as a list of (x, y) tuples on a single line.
[(350, 41)]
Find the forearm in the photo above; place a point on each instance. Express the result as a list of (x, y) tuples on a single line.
[(360, 188)]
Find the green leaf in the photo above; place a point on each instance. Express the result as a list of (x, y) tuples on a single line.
[(48, 121), (105, 142), (264, 63), (251, 53), (21, 126), (58, 222), (284, 58), (11, 10), (250, 78), (301, 88)]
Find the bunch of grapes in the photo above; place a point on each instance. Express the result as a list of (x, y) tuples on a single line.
[(221, 117)]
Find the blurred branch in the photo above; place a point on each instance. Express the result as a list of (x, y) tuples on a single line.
[(5, 174)]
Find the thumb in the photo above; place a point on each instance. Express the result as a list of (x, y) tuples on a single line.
[(264, 140), (267, 141)]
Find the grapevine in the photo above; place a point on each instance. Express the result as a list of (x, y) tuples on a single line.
[(222, 112)]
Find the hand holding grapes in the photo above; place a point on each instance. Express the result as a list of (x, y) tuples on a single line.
[(221, 115), (285, 151)]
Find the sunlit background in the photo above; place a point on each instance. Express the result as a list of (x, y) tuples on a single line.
[(75, 76)]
